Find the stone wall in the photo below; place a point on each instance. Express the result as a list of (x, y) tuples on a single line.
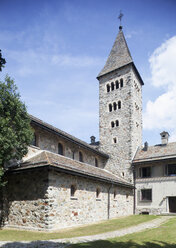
[(25, 200), (129, 132), (49, 141), (37, 200), (84, 207)]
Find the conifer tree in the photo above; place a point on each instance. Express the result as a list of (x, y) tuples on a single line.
[(15, 131)]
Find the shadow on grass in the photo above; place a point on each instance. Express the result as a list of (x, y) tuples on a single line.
[(34, 244), (96, 244), (129, 244)]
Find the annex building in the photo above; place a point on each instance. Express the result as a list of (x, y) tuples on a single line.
[(64, 182)]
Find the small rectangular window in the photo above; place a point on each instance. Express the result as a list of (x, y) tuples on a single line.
[(146, 194), (145, 172), (171, 170)]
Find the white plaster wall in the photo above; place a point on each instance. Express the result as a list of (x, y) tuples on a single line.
[(162, 187)]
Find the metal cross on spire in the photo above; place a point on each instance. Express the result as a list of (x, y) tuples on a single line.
[(120, 18)]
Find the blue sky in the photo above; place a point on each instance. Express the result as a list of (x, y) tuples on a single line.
[(55, 49)]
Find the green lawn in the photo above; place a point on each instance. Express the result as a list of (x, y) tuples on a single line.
[(105, 226), (163, 236)]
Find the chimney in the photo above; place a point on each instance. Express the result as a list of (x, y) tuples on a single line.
[(92, 139), (145, 146), (164, 138)]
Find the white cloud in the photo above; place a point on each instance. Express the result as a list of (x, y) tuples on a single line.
[(32, 61), (161, 113), (162, 63)]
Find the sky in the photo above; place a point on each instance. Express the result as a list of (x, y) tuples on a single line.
[(56, 48)]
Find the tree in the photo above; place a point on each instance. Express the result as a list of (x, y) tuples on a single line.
[(15, 130), (2, 61)]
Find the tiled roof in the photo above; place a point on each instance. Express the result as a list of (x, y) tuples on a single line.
[(119, 55), (70, 166), (157, 152), (66, 136)]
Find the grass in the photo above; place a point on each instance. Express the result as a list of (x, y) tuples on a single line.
[(105, 226), (163, 236)]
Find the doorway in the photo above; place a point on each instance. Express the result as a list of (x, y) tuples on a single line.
[(172, 204)]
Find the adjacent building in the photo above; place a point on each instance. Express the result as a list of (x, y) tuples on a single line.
[(155, 178)]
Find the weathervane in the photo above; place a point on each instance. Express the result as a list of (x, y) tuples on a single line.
[(120, 18)]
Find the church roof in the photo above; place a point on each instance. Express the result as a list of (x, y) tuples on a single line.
[(119, 55), (69, 166), (65, 135), (155, 153)]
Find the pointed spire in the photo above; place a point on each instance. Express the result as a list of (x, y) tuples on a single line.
[(119, 55)]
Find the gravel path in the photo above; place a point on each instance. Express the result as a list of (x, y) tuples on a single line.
[(62, 243)]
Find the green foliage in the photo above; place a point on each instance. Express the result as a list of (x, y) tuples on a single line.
[(15, 131), (2, 61)]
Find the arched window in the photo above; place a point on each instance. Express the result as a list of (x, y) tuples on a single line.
[(34, 141), (119, 104), (117, 123), (117, 84), (115, 140), (110, 107), (60, 149), (112, 123), (115, 194), (80, 157), (121, 82), (108, 87), (97, 193), (72, 190), (115, 105), (112, 86), (96, 162)]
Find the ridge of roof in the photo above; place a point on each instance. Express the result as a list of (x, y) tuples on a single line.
[(66, 135), (119, 55)]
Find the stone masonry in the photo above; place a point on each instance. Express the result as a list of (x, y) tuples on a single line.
[(41, 200), (129, 132), (84, 207)]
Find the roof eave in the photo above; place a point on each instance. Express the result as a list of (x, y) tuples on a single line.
[(72, 172), (68, 138), (151, 160), (132, 63)]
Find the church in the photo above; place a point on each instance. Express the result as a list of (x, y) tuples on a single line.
[(65, 182)]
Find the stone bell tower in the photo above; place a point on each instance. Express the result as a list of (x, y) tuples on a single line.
[(120, 108)]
